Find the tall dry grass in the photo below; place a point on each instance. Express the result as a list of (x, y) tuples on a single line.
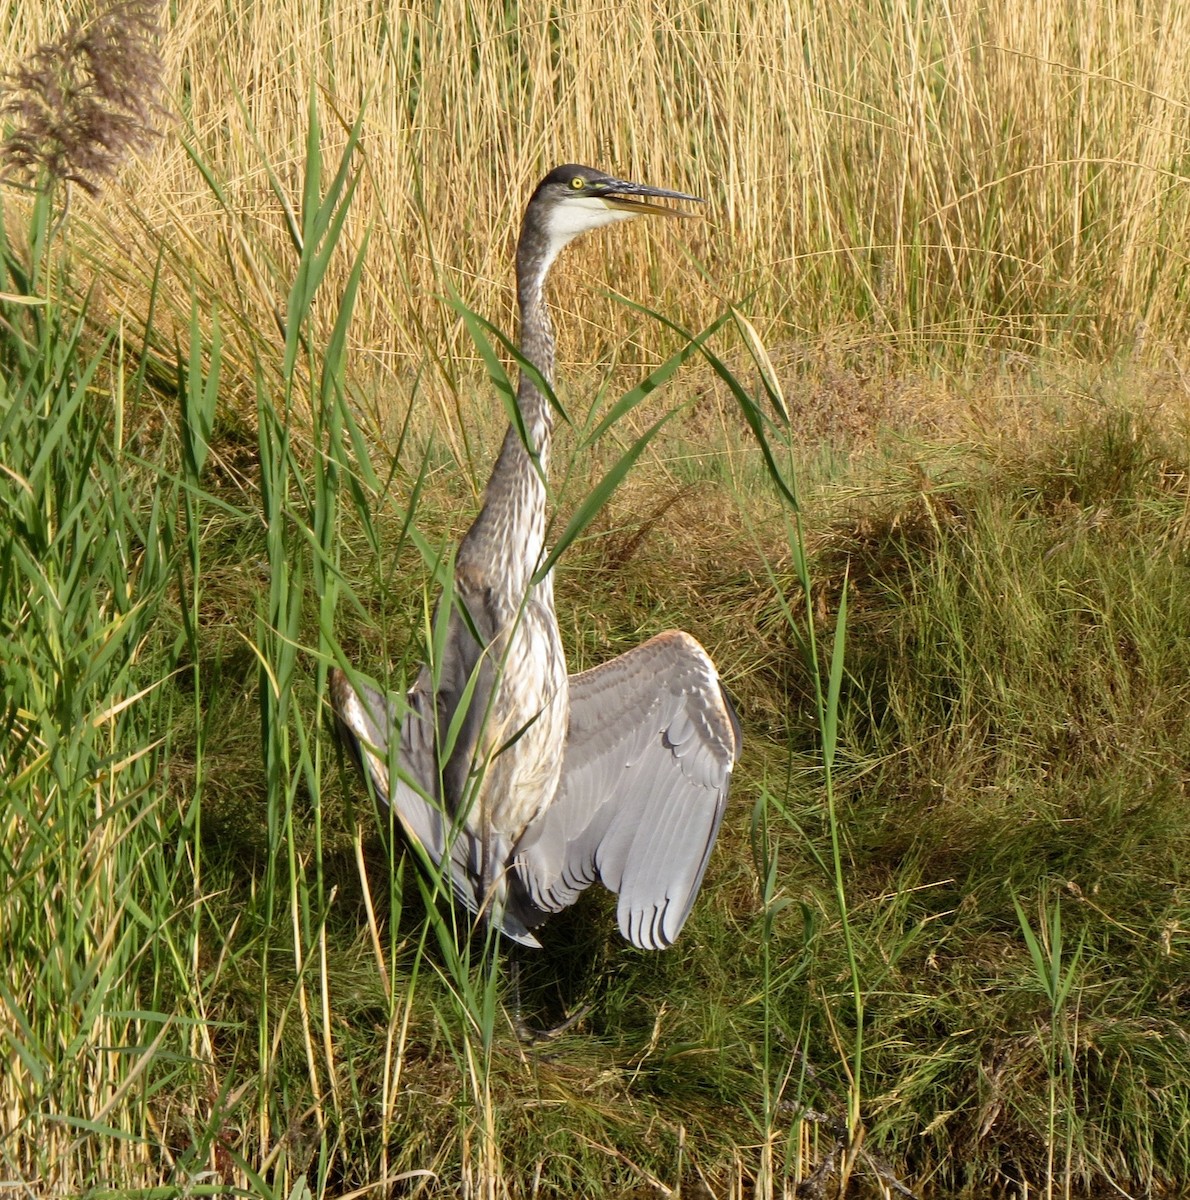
[(879, 173)]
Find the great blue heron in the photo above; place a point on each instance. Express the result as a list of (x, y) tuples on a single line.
[(619, 773)]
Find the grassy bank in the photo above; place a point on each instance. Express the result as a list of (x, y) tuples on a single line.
[(221, 970)]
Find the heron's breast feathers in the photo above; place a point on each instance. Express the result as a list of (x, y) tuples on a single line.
[(525, 732)]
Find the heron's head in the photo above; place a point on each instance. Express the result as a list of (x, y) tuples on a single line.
[(572, 200)]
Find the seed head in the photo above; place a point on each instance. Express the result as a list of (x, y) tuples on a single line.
[(80, 105)]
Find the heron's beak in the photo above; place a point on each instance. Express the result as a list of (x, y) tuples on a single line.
[(622, 195)]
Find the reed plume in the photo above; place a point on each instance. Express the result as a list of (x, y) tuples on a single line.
[(80, 105)]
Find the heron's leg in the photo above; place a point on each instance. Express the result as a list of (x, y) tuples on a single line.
[(526, 1034)]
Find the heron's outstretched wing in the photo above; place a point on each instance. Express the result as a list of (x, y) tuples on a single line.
[(648, 761), (368, 722)]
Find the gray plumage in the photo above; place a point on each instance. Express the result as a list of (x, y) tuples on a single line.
[(553, 781)]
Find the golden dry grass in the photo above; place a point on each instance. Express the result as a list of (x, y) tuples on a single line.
[(879, 177)]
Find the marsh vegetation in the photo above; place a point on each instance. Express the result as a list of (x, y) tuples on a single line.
[(925, 497)]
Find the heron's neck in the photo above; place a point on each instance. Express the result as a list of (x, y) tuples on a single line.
[(537, 346), (504, 546)]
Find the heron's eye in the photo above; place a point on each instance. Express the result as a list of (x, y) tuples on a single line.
[(578, 183)]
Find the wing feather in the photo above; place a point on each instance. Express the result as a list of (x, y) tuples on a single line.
[(368, 721), (651, 746)]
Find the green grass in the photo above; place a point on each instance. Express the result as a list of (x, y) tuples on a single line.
[(949, 902), (1021, 667)]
